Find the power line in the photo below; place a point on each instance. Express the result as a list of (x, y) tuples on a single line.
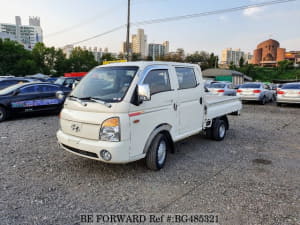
[(99, 35), (189, 16)]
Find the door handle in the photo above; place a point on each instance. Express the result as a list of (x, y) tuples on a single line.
[(200, 100), (175, 106)]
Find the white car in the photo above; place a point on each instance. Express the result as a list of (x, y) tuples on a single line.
[(289, 93), (124, 112)]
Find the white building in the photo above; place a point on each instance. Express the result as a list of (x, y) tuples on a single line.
[(158, 50), (67, 50), (28, 35), (139, 43), (234, 55)]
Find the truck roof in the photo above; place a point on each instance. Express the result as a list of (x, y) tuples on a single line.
[(143, 64)]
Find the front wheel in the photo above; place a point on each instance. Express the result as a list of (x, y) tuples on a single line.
[(3, 114), (157, 153), (219, 130)]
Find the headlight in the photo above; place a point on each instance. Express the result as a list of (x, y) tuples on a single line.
[(110, 130)]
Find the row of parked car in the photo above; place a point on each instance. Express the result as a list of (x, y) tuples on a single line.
[(22, 94), (258, 91)]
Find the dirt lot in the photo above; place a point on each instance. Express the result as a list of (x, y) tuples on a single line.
[(252, 177)]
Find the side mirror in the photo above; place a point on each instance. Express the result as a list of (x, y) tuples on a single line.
[(60, 95), (75, 84), (144, 93)]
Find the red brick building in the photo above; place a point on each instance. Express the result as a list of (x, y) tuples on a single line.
[(268, 53)]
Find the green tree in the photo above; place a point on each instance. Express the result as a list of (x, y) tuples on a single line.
[(241, 62), (14, 59), (41, 58), (108, 57), (81, 60)]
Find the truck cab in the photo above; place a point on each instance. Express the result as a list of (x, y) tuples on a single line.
[(124, 112)]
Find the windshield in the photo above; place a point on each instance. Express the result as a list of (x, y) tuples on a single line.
[(9, 89), (60, 81), (250, 86), (216, 85), (291, 86), (109, 84)]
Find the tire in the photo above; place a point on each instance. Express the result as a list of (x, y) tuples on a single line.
[(157, 153), (263, 101), (219, 130), (273, 98), (3, 114)]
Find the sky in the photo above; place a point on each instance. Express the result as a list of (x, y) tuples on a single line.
[(68, 21)]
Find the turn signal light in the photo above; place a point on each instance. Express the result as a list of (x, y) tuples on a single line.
[(256, 91), (280, 92)]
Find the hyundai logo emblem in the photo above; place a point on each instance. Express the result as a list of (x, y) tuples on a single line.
[(75, 128)]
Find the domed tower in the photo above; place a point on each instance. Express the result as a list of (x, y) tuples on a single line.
[(268, 53)]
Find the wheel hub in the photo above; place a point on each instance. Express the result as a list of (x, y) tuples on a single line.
[(222, 130), (161, 152)]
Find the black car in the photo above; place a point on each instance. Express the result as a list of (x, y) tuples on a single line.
[(67, 81), (30, 97), (4, 83)]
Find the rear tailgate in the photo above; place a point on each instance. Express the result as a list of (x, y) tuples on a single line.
[(217, 106)]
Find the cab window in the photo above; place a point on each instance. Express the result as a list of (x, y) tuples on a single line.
[(186, 77), (48, 88), (158, 81)]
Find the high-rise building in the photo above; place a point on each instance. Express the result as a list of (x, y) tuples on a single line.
[(158, 50), (139, 43), (124, 47), (28, 35), (166, 44), (230, 55), (68, 50)]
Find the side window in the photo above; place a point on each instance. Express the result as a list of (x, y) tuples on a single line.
[(29, 89), (48, 88), (186, 77), (158, 81)]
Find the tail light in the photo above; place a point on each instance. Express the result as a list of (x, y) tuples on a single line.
[(256, 91), (220, 91), (239, 91), (281, 92)]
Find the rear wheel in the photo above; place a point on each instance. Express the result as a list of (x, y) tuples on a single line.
[(219, 130), (263, 101), (157, 153), (3, 114)]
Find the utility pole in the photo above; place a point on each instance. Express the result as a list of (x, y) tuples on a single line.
[(128, 33)]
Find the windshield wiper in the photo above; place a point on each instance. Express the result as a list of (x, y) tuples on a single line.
[(100, 101), (77, 100)]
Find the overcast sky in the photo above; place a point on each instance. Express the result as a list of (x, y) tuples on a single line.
[(68, 21)]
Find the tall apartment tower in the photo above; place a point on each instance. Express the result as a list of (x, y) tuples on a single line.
[(139, 43), (28, 35), (166, 44)]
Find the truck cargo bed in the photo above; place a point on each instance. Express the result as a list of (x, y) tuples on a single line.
[(217, 106)]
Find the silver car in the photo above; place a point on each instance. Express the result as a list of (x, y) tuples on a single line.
[(222, 88), (289, 93), (259, 92)]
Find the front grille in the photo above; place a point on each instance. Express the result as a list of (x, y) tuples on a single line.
[(90, 154)]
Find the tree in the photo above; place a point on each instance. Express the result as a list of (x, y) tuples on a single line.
[(39, 54), (15, 59), (108, 57), (241, 62), (81, 60), (284, 65)]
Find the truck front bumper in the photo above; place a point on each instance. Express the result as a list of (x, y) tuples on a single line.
[(91, 149)]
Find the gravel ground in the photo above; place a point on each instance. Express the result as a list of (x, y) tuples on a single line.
[(252, 177)]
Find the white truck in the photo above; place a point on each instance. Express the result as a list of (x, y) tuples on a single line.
[(123, 112)]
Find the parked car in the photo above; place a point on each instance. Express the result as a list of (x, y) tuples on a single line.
[(30, 97), (67, 81), (124, 112), (51, 79), (4, 83), (289, 93), (259, 92), (222, 88)]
